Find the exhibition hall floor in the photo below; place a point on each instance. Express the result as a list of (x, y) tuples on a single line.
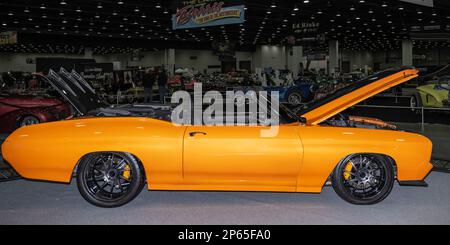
[(25, 202)]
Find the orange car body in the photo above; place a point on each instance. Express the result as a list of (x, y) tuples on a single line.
[(299, 159)]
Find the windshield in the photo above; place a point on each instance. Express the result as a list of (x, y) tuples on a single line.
[(288, 116), (444, 82)]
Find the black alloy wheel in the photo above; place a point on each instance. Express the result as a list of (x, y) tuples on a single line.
[(109, 179), (364, 179)]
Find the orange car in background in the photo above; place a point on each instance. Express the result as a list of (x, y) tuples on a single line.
[(114, 153)]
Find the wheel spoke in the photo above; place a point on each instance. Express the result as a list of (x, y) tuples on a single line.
[(120, 185), (104, 185), (112, 187), (99, 178), (120, 165), (354, 166), (99, 170), (111, 161), (367, 177), (123, 178), (108, 177)]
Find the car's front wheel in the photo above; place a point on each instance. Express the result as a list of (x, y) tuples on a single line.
[(109, 179), (295, 98), (364, 179)]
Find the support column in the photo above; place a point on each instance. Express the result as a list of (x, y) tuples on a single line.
[(333, 66), (88, 53), (295, 57), (257, 59), (407, 53), (170, 60)]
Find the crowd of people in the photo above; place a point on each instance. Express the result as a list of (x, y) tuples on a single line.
[(152, 76)]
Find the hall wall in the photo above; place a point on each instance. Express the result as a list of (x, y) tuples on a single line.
[(264, 56), (198, 59)]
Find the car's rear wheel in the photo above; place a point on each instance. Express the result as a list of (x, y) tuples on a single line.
[(364, 179), (109, 179), (28, 121)]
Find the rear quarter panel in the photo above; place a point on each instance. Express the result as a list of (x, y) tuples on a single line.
[(51, 151)]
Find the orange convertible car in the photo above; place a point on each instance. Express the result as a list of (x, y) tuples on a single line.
[(115, 151)]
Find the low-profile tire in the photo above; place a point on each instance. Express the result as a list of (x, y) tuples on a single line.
[(364, 179), (110, 179), (295, 98)]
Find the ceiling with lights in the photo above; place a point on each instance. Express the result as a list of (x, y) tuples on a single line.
[(68, 26)]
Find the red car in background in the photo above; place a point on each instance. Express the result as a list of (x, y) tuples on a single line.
[(21, 110)]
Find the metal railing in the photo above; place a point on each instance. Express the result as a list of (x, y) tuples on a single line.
[(396, 97), (421, 110)]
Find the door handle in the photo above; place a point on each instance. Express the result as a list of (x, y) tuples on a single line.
[(193, 134)]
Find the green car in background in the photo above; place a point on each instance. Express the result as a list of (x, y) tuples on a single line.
[(434, 95)]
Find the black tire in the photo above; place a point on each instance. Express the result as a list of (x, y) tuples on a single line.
[(103, 182), (295, 98), (27, 121), (369, 181), (416, 101)]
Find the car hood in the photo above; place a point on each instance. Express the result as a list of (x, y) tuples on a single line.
[(321, 110), (75, 90)]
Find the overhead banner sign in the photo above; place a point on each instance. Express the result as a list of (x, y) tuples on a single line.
[(9, 37), (95, 71), (427, 3), (204, 13), (307, 32)]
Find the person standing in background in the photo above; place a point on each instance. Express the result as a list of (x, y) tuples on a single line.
[(148, 79), (162, 84), (2, 83)]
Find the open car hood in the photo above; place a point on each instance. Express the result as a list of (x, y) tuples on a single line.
[(80, 94), (75, 90), (319, 111)]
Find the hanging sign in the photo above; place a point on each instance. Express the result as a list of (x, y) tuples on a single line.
[(306, 27), (307, 33), (9, 37), (203, 13)]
